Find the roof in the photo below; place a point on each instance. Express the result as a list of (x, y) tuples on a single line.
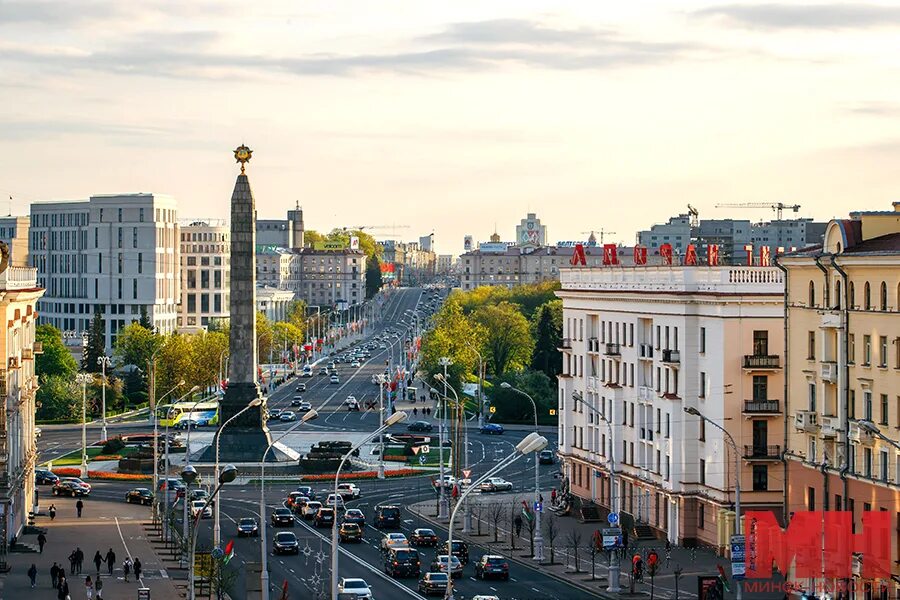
[(885, 244)]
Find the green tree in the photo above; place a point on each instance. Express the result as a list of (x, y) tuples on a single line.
[(508, 343), (547, 326), (296, 314), (311, 236), (135, 345), (96, 344), (264, 337), (207, 347), (56, 359), (59, 397), (455, 336), (145, 321), (285, 335), (512, 407), (373, 276), (174, 362)]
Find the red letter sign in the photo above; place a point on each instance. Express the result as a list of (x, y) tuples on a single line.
[(712, 255), (578, 256), (610, 257), (749, 250), (764, 256), (690, 256), (640, 255), (666, 252)]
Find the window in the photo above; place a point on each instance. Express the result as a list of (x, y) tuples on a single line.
[(134, 237), (701, 517), (702, 384), (867, 405), (884, 305), (120, 237), (702, 340), (812, 396), (811, 346), (867, 350), (851, 348), (884, 409), (121, 262), (883, 464), (657, 337), (851, 401), (703, 471), (702, 430), (811, 450), (882, 352), (867, 297), (867, 462), (134, 289), (120, 215), (812, 293), (852, 297), (99, 263), (810, 498), (760, 343), (120, 289), (141, 218), (760, 387), (760, 478)]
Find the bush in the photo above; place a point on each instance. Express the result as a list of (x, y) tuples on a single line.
[(113, 445)]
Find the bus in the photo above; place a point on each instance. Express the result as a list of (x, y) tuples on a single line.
[(181, 414)]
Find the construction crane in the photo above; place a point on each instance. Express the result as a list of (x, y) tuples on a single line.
[(695, 216), (393, 228), (776, 206), (602, 232)]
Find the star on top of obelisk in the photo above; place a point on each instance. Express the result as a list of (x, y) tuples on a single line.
[(242, 155)]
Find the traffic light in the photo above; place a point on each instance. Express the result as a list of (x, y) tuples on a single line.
[(652, 562)]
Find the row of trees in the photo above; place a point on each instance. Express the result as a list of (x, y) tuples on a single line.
[(517, 333)]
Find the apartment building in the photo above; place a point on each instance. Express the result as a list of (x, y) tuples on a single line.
[(642, 343), (205, 260), (843, 369), (14, 231), (116, 255)]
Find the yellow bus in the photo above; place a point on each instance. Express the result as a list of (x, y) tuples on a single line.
[(189, 414)]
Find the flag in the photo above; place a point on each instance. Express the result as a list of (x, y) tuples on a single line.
[(284, 590), (526, 512), (229, 551), (723, 579)]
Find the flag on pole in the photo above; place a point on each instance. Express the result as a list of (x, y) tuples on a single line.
[(284, 590), (723, 578), (526, 512), (229, 551)]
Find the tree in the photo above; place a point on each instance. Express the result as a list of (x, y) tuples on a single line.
[(373, 276), (512, 407), (59, 397), (96, 344), (223, 577), (296, 314), (135, 345), (207, 348), (497, 513), (574, 538), (285, 335), (508, 344), (551, 533), (455, 336), (145, 321), (56, 358), (547, 327), (174, 362), (264, 337)]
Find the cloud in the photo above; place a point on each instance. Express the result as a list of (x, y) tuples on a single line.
[(32, 129), (809, 16), (71, 13), (515, 31), (875, 109)]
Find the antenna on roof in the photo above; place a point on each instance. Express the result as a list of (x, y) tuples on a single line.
[(10, 206)]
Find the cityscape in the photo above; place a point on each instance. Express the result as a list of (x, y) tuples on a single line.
[(502, 388)]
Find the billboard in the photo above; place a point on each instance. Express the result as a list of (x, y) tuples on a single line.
[(493, 247), (467, 243), (330, 245), (354, 242)]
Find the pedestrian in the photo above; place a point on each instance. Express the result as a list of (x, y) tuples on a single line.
[(518, 523), (99, 587), (32, 573), (79, 506), (415, 411), (62, 591), (137, 569), (79, 559), (72, 561), (88, 587), (98, 560), (126, 566), (110, 561), (52, 511), (553, 496), (54, 574), (42, 539)]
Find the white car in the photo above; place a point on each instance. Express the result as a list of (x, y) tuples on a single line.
[(335, 379), (335, 501), (355, 364), (353, 585), (496, 484), (197, 506), (349, 491), (394, 540)]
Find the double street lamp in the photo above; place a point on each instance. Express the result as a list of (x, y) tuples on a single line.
[(84, 379), (103, 362), (467, 523), (189, 475), (153, 408), (217, 532)]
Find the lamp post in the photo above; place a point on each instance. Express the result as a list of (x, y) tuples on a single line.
[(166, 460), (83, 379), (538, 537), (467, 523), (264, 573), (480, 383), (382, 380), (217, 532), (156, 433), (872, 428), (533, 442), (443, 505), (738, 592), (397, 417), (187, 464), (103, 362), (189, 475)]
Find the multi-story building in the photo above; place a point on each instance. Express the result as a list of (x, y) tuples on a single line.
[(642, 343), (281, 233), (205, 260), (116, 255), (676, 232), (273, 303), (14, 231), (843, 372), (19, 294), (444, 264)]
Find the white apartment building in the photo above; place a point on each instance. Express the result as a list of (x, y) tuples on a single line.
[(205, 260), (117, 255), (641, 343)]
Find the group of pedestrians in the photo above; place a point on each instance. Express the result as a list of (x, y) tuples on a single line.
[(60, 582), (425, 411)]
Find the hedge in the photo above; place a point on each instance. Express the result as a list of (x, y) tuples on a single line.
[(361, 475)]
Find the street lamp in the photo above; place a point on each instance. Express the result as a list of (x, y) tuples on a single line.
[(538, 537), (872, 428), (533, 442), (397, 417), (156, 436), (467, 523), (382, 380), (103, 362), (480, 383), (737, 479), (264, 573), (84, 379), (166, 527), (187, 455), (443, 503), (217, 532), (226, 476)]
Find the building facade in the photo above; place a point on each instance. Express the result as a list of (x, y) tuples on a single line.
[(116, 255), (205, 260), (19, 294), (843, 368), (273, 303), (641, 344), (14, 231)]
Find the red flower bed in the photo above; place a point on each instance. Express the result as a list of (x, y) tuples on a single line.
[(395, 457), (75, 472), (360, 475)]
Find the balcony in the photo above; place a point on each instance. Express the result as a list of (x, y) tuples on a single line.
[(829, 371), (831, 319), (759, 452), (762, 407), (593, 345), (861, 434), (566, 344), (762, 362), (831, 425), (671, 357), (806, 420), (646, 351), (612, 350)]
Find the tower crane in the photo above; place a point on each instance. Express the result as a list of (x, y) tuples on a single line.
[(778, 207), (695, 216), (393, 228), (602, 232)]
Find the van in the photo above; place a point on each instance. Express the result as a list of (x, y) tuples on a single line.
[(402, 562), (387, 516)]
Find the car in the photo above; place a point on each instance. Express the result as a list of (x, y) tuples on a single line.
[(449, 481), (301, 387), (355, 587), (355, 364), (420, 426), (492, 428), (307, 491), (331, 365), (274, 414), (287, 416), (334, 379), (394, 540), (296, 403), (247, 526), (304, 406), (350, 532), (460, 551), (66, 487), (546, 457), (37, 432), (439, 565), (496, 484), (45, 477), (387, 516), (198, 494), (307, 371), (295, 497), (349, 491), (310, 510), (199, 507), (335, 501), (354, 515), (423, 537), (139, 496), (285, 542), (382, 347), (485, 597), (282, 517), (403, 562), (299, 504), (434, 584), (323, 370), (351, 403), (324, 517), (172, 484)]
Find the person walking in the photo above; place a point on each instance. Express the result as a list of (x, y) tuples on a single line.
[(137, 569), (54, 574), (32, 573), (518, 523), (42, 539), (553, 497), (99, 587), (98, 560), (79, 506), (88, 588), (79, 559), (62, 591), (126, 566), (110, 561), (52, 511), (72, 561)]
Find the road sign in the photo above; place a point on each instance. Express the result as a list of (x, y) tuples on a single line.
[(738, 567), (612, 518), (426, 449), (143, 593), (217, 552), (416, 449), (552, 412), (493, 409), (612, 537), (466, 473), (539, 507), (422, 459)]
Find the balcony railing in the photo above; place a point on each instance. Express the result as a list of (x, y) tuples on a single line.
[(612, 350), (646, 351), (762, 406), (593, 345), (566, 343), (771, 452), (762, 361), (671, 356)]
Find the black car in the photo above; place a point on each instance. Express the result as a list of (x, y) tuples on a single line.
[(460, 551), (546, 457), (139, 496), (490, 565), (68, 488), (307, 491), (324, 517), (402, 562), (282, 517), (247, 526), (387, 516), (423, 537), (433, 584), (420, 426), (285, 542), (45, 477)]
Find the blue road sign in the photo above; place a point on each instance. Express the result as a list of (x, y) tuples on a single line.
[(612, 518), (539, 507)]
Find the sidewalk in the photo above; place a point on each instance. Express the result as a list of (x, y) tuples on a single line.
[(100, 528)]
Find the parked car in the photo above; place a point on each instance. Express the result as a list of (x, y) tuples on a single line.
[(282, 517), (355, 586), (199, 507), (310, 510), (434, 584), (387, 516), (423, 537), (349, 491), (420, 426), (248, 526), (45, 477), (402, 562), (439, 565), (460, 551), (324, 517), (491, 565), (496, 484), (492, 428), (394, 540), (285, 542), (546, 457), (139, 496), (288, 416), (351, 532)]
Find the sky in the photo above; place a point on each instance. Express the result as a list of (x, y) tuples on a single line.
[(456, 117)]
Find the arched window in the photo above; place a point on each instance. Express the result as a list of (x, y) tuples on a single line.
[(867, 297), (883, 296), (812, 293), (838, 301), (852, 298)]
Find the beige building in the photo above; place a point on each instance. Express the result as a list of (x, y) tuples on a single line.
[(319, 277), (19, 293), (205, 273), (642, 343), (843, 368), (14, 231)]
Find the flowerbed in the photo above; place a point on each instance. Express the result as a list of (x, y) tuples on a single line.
[(361, 475), (108, 457), (68, 472), (395, 457)]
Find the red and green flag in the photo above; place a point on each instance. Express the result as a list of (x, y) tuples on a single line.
[(526, 511), (229, 551)]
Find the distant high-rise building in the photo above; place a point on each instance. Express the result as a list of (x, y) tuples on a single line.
[(530, 232), (676, 232)]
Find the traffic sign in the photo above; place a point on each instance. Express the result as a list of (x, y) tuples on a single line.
[(539, 507), (217, 552), (467, 473), (612, 518), (416, 449), (738, 567), (493, 409), (612, 537), (426, 449), (422, 459)]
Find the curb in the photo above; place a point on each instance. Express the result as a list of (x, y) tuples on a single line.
[(529, 564)]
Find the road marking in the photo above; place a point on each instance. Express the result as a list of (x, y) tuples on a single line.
[(124, 545)]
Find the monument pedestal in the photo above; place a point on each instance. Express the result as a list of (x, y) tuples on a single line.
[(246, 437)]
